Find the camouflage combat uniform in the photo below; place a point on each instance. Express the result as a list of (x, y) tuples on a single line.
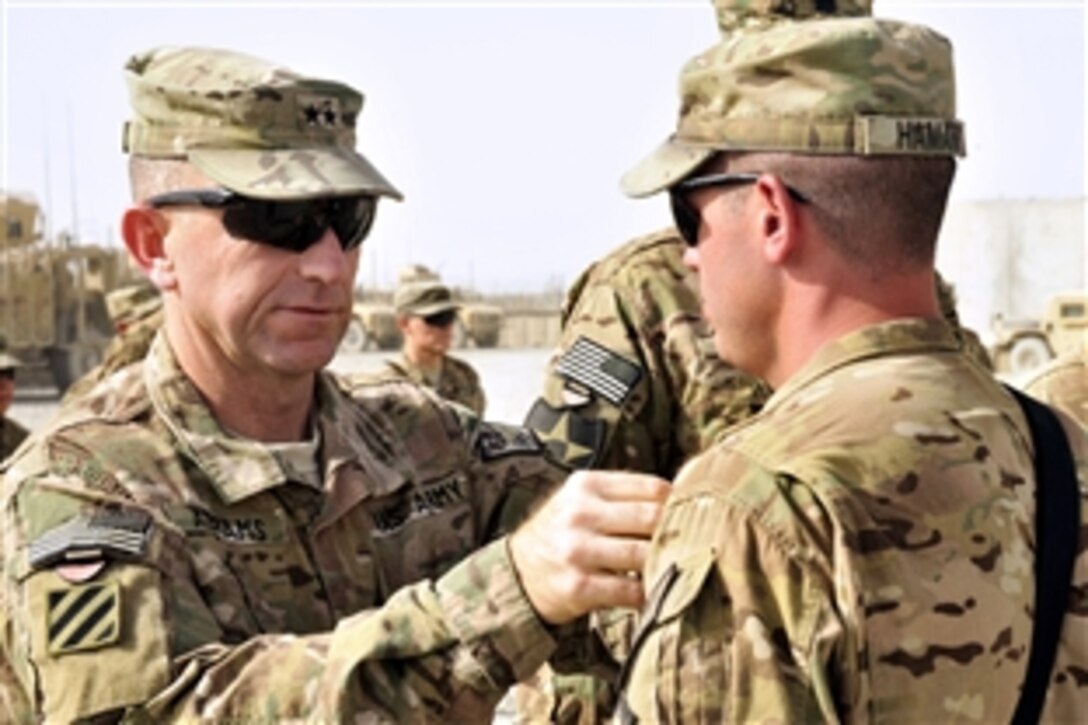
[(153, 561), (863, 548), (636, 383), (11, 435), (857, 548), (456, 380), (1063, 383), (640, 303)]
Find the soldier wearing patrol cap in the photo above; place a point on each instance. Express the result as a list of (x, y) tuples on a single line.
[(201, 535), (635, 383), (136, 313), (11, 433), (426, 313), (862, 549)]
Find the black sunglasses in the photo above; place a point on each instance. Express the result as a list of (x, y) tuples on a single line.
[(687, 217), (290, 225), (441, 319)]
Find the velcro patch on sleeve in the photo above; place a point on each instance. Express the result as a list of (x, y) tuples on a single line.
[(495, 440), (596, 367), (83, 617), (120, 533), (571, 438)]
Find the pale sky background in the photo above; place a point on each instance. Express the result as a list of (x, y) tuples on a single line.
[(506, 124)]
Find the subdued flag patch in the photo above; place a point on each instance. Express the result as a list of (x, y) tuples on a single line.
[(596, 367), (84, 617)]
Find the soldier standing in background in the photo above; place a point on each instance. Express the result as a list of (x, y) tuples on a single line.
[(862, 548), (11, 433), (136, 313), (636, 384), (201, 535), (426, 314)]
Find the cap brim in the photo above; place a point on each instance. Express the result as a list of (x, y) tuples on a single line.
[(293, 173), (433, 309), (669, 163)]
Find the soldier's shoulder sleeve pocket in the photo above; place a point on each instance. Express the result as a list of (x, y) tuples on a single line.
[(681, 586), (673, 591)]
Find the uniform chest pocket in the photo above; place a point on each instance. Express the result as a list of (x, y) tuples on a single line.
[(677, 668), (421, 531), (253, 574)]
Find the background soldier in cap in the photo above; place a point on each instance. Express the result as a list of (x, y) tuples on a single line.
[(136, 313), (199, 536), (862, 548), (426, 314), (11, 433)]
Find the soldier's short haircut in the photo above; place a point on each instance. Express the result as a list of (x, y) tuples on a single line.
[(883, 212)]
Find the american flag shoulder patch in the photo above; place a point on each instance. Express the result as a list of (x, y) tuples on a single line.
[(118, 533), (593, 365), (83, 617)]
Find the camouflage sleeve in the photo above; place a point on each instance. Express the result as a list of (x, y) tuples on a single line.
[(595, 404), (736, 622), (101, 638), (436, 650), (636, 383)]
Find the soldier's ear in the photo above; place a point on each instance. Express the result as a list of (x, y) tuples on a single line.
[(777, 219), (144, 231)]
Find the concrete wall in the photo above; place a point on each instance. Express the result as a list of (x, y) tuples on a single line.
[(1007, 257)]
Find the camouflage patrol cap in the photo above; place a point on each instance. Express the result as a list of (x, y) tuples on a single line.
[(842, 85), (254, 127), (734, 14), (423, 298)]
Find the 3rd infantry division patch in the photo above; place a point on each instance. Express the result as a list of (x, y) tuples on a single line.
[(84, 617)]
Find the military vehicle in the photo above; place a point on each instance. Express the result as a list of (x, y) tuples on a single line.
[(1024, 345), (373, 324), (53, 293), (480, 323)]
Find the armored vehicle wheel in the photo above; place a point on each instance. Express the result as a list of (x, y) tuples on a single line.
[(1028, 353), (355, 338)]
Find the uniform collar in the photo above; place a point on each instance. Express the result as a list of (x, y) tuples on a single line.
[(240, 467), (897, 337)]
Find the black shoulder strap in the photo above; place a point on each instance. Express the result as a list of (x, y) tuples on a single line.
[(1057, 518)]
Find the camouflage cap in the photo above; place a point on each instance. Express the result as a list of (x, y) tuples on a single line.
[(423, 298), (842, 85), (734, 14), (256, 128)]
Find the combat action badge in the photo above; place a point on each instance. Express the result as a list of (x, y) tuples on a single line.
[(83, 617)]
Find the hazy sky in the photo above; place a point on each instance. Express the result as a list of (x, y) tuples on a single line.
[(506, 124)]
